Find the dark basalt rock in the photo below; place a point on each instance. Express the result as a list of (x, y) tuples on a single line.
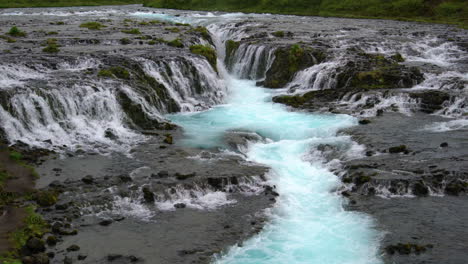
[(406, 249), (431, 100), (88, 179), (398, 149), (35, 245), (288, 61), (148, 195), (73, 248), (419, 189)]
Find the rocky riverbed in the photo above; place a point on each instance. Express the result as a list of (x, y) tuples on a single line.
[(127, 190)]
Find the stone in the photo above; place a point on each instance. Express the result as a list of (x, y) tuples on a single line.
[(35, 245), (88, 179), (148, 195), (73, 248), (51, 240), (105, 222), (179, 205)]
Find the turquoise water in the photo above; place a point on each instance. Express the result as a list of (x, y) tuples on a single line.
[(308, 223)]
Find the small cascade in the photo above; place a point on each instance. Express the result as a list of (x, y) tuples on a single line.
[(251, 61), (62, 106), (318, 77), (192, 83)]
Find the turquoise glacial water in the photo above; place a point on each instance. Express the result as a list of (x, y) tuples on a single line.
[(308, 223)]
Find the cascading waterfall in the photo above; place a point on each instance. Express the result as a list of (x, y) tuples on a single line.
[(308, 224), (55, 107)]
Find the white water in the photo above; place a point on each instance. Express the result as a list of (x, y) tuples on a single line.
[(308, 224)]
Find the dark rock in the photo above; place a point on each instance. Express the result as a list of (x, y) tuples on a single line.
[(125, 178), (133, 258), (109, 133), (67, 260), (181, 177), (168, 139), (398, 149), (113, 257), (148, 195), (364, 121), (51, 255), (73, 248), (431, 100), (180, 205), (444, 145), (61, 206), (88, 179), (419, 189), (406, 249), (41, 258), (51, 240), (105, 222), (27, 260), (163, 174), (82, 257), (35, 245), (56, 184), (455, 188)]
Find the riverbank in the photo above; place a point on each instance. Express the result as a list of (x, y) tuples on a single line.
[(443, 12)]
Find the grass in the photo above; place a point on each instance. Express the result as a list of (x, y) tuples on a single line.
[(92, 25), (176, 43), (134, 31), (16, 156), (16, 32), (34, 225), (117, 72), (51, 46)]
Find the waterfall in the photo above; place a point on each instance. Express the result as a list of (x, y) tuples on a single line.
[(63, 106)]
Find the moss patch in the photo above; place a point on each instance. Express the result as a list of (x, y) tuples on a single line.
[(117, 72), (206, 51), (92, 25), (16, 32), (176, 43), (134, 31)]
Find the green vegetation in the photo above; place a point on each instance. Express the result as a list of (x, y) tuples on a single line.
[(207, 51), (16, 32), (92, 25), (278, 34), (51, 46), (439, 11), (231, 47), (58, 3), (176, 43), (295, 54), (203, 31), (34, 226), (117, 72), (16, 156), (8, 39), (52, 33), (125, 41), (134, 31), (173, 29)]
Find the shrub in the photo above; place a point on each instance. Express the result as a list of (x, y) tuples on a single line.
[(16, 32), (92, 25)]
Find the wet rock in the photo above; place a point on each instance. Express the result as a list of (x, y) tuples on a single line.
[(364, 121), (67, 260), (113, 257), (41, 258), (73, 248), (455, 187), (168, 139), (398, 149), (407, 248), (419, 189), (61, 206), (27, 260), (161, 174), (51, 240), (182, 177), (444, 145), (51, 255), (82, 257), (216, 183), (35, 245), (288, 61), (88, 179), (45, 198), (56, 184), (431, 100), (148, 195), (105, 222), (109, 133), (180, 205), (125, 178)]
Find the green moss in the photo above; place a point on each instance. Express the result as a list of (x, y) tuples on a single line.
[(176, 43), (295, 54), (3, 177), (291, 100), (398, 57), (278, 34), (117, 72), (134, 31), (143, 23), (51, 49), (173, 29), (16, 32), (92, 25), (45, 198), (231, 47), (208, 52), (125, 41), (34, 226), (203, 31), (52, 33), (16, 156), (152, 42)]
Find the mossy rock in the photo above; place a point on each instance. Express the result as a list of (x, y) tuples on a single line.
[(398, 149), (45, 198), (176, 43), (288, 61), (431, 100), (206, 51), (116, 71), (92, 25), (231, 48)]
